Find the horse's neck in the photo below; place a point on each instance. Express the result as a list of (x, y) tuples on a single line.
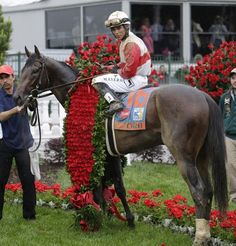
[(60, 75)]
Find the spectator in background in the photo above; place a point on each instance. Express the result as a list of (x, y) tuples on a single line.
[(163, 75), (157, 30), (146, 35), (219, 31), (228, 107), (196, 41), (170, 39)]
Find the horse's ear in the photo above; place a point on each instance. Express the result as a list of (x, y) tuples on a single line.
[(27, 52), (36, 51)]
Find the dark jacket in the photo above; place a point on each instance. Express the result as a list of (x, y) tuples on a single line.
[(229, 114)]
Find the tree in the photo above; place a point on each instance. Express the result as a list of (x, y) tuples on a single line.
[(5, 34)]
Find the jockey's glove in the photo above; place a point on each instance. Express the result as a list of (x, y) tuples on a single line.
[(114, 69)]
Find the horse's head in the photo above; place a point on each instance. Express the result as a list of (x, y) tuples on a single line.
[(32, 76)]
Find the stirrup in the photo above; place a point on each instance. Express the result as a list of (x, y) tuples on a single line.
[(114, 108)]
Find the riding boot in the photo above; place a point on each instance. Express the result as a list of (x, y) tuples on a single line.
[(115, 104)]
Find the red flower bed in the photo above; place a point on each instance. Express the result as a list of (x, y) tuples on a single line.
[(211, 73), (151, 205)]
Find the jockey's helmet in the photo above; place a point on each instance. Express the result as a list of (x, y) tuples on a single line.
[(232, 72), (117, 18)]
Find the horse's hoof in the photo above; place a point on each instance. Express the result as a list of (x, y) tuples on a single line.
[(131, 225), (199, 242), (130, 220)]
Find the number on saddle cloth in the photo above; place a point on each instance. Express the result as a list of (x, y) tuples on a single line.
[(132, 117)]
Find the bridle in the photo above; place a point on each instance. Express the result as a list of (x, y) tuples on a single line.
[(35, 93), (31, 99)]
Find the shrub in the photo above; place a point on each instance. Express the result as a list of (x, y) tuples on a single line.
[(211, 73)]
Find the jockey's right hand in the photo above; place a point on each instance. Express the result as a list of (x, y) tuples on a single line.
[(109, 68), (112, 68)]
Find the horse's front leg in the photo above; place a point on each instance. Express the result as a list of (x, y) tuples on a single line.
[(120, 189), (98, 196)]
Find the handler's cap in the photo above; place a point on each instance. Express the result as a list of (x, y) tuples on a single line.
[(232, 72), (6, 69)]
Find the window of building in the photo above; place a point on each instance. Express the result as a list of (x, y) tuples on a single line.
[(211, 24), (63, 28), (160, 28), (94, 18)]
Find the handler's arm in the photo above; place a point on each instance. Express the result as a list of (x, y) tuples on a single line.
[(7, 114)]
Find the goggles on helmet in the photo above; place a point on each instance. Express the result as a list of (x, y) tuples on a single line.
[(116, 22)]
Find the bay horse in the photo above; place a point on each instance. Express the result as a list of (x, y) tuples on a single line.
[(185, 119)]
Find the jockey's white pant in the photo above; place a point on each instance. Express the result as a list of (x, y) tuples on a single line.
[(118, 84)]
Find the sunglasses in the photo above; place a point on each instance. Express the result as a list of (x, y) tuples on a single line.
[(115, 22)]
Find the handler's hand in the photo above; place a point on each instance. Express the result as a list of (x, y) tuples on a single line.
[(19, 108)]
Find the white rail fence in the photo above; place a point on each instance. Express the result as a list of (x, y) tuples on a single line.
[(51, 115)]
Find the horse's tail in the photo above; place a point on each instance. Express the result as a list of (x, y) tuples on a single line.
[(217, 153)]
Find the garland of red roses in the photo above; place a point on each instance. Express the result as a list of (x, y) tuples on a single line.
[(84, 130), (80, 121)]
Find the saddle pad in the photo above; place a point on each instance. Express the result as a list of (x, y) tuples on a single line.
[(132, 117)]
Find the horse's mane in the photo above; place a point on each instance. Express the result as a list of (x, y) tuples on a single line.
[(31, 60), (73, 69)]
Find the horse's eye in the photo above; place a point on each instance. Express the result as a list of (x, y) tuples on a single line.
[(36, 68)]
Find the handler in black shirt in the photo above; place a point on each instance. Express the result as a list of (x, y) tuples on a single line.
[(16, 141)]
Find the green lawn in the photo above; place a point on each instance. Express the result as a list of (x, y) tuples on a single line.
[(53, 226), (147, 177)]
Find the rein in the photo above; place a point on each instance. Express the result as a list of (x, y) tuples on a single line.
[(38, 92), (34, 119)]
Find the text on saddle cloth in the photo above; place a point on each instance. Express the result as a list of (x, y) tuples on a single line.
[(133, 116)]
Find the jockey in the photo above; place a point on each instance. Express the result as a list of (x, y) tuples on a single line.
[(134, 67)]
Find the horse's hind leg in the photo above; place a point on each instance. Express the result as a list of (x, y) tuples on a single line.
[(202, 235), (197, 178), (193, 179), (120, 189)]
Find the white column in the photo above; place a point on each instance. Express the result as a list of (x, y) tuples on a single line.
[(44, 117), (126, 7), (43, 111), (54, 117), (186, 28), (62, 115)]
